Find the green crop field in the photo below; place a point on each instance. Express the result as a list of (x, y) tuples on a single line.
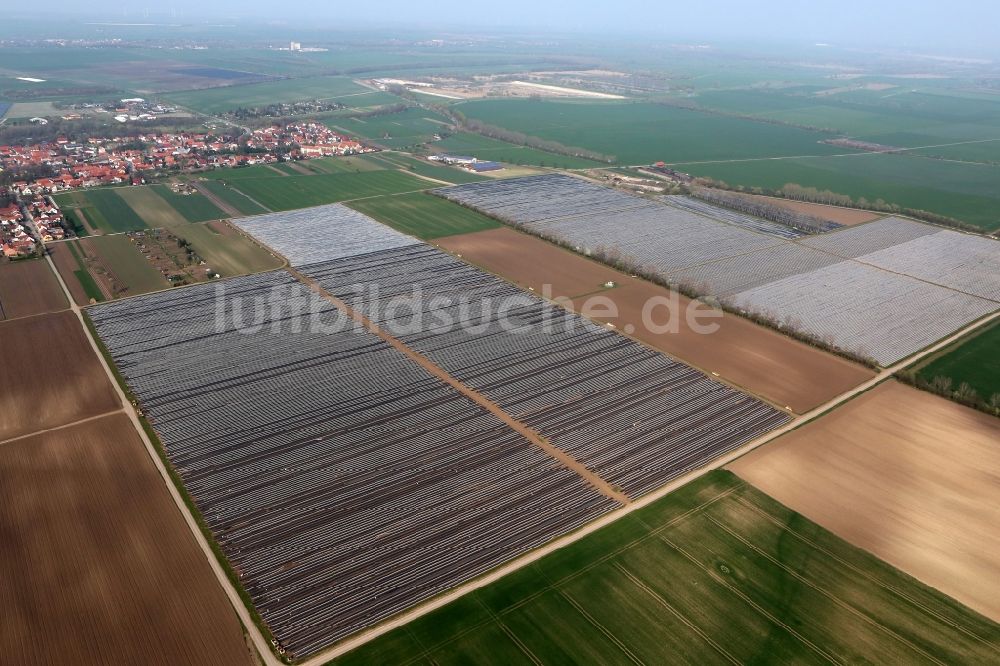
[(82, 275), (424, 168), (225, 250), (715, 572), (424, 215), (403, 129), (150, 207), (287, 193), (194, 207), (968, 192), (129, 266), (104, 208), (239, 173), (235, 199), (227, 98), (974, 360), (343, 164), (643, 132), (486, 148)]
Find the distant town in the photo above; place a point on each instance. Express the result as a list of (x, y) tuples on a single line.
[(29, 174)]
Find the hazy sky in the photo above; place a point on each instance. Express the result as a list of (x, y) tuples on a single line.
[(964, 25)]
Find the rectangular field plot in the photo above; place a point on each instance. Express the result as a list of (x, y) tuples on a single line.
[(875, 313), (753, 269), (291, 192), (905, 475), (965, 263), (27, 288), (343, 482), (424, 215), (539, 198), (322, 233), (631, 414), (867, 238), (30, 398), (659, 239), (885, 289), (715, 572), (973, 360), (97, 564), (733, 217)]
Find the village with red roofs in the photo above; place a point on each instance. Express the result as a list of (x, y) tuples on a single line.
[(28, 214)]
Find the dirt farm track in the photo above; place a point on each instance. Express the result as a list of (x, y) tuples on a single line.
[(906, 475), (782, 370), (97, 564), (56, 381)]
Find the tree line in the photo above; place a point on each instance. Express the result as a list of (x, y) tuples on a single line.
[(763, 209), (519, 138), (815, 195)]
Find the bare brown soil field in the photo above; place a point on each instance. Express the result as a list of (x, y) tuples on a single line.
[(785, 371), (909, 476), (846, 216), (67, 266), (97, 564), (29, 288), (531, 262), (58, 378)]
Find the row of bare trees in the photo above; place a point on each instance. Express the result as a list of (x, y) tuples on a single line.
[(815, 195), (963, 394), (763, 209)]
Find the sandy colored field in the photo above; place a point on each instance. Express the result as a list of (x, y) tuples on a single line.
[(150, 206), (909, 476), (97, 564), (28, 288), (56, 380), (226, 250), (766, 363), (846, 216)]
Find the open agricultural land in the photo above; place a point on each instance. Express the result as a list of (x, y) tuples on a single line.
[(119, 265), (974, 360), (905, 475), (409, 128), (562, 375), (441, 412), (713, 572), (946, 157), (150, 206), (225, 250), (72, 265), (116, 261), (423, 215), (98, 564), (353, 545), (100, 268), (422, 167), (193, 207), (645, 132), (880, 291), (54, 346), (226, 198), (785, 371), (28, 287), (229, 98), (287, 192), (847, 217), (103, 210), (485, 148)]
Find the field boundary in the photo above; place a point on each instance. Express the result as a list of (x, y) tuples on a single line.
[(255, 629)]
